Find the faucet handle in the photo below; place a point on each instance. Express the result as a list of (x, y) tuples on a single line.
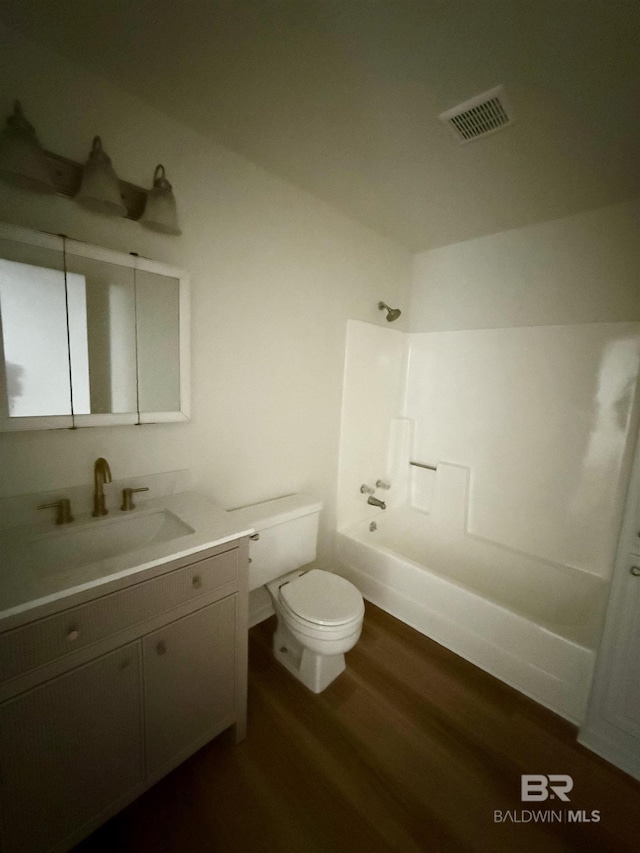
[(127, 498), (381, 484), (64, 510), (366, 490)]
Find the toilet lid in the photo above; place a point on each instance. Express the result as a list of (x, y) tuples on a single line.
[(323, 597)]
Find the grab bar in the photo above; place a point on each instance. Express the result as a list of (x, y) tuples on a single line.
[(423, 465)]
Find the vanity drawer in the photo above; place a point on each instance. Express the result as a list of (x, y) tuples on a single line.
[(46, 640)]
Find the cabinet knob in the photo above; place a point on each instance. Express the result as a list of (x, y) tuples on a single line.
[(196, 582), (635, 571), (73, 635), (161, 648)]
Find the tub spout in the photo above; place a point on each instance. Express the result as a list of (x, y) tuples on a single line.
[(375, 502)]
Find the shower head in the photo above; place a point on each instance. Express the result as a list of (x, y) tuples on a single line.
[(392, 313)]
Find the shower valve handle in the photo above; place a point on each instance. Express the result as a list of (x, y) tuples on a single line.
[(380, 484), (366, 490)]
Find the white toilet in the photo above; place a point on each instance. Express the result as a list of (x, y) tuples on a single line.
[(319, 613)]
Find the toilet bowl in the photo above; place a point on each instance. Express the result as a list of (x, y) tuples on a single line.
[(319, 613), (319, 619)]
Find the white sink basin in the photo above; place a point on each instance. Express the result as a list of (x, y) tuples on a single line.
[(100, 539), (43, 563)]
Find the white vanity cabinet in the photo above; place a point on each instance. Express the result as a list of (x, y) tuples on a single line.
[(101, 698)]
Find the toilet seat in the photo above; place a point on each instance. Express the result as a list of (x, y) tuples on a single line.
[(327, 629), (320, 601), (322, 633)]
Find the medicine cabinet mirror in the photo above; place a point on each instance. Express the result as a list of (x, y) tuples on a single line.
[(89, 337)]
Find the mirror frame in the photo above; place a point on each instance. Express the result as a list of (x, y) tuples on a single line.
[(62, 244)]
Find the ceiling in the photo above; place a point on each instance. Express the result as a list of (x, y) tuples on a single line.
[(342, 97)]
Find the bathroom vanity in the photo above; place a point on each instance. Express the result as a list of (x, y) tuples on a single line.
[(119, 671)]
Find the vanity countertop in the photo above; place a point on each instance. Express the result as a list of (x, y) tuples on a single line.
[(44, 564)]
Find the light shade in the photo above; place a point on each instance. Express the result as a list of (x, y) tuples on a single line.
[(160, 212), (100, 188), (23, 163)]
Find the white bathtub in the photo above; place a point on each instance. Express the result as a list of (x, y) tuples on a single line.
[(532, 623)]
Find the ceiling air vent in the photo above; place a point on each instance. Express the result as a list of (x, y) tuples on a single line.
[(479, 116)]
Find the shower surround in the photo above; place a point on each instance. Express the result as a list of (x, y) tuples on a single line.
[(504, 552)]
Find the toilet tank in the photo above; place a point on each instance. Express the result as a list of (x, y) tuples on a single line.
[(287, 535)]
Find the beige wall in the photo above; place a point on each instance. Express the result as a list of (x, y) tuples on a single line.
[(275, 276), (581, 269)]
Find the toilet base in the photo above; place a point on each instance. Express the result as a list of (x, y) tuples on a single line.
[(315, 671)]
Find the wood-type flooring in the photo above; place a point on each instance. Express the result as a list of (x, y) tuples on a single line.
[(411, 749)]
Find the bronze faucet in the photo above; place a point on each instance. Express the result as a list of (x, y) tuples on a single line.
[(101, 475)]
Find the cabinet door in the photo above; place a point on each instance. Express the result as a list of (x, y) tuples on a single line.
[(189, 678), (69, 749)]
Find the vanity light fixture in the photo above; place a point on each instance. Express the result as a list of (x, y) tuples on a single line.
[(23, 163), (160, 212), (100, 188)]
